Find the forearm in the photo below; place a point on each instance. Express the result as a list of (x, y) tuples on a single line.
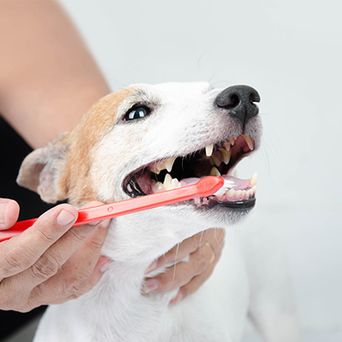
[(48, 78)]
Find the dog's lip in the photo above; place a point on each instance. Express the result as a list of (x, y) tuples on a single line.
[(139, 182)]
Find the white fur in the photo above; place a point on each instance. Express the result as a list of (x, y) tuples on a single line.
[(184, 120)]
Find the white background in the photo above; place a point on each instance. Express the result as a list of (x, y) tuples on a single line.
[(291, 52)]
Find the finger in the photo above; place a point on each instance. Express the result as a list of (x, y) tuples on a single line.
[(190, 287), (215, 236), (9, 211), (56, 256), (52, 260), (178, 253), (24, 250), (73, 279), (42, 295), (181, 273)]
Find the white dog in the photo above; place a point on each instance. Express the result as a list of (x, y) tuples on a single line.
[(145, 139)]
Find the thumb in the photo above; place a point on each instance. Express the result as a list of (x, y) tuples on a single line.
[(9, 211)]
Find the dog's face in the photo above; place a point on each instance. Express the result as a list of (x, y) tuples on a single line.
[(149, 138)]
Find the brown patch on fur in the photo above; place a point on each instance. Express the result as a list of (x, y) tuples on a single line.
[(75, 181)]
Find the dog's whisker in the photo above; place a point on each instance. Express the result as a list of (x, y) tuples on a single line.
[(175, 261)]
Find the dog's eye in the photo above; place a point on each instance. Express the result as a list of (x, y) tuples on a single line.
[(137, 112)]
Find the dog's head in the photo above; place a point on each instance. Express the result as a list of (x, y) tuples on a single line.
[(150, 138)]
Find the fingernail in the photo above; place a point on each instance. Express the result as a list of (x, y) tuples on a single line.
[(104, 264), (150, 285), (3, 212), (176, 299), (152, 267), (65, 217)]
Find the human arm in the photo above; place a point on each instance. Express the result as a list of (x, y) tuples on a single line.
[(48, 79)]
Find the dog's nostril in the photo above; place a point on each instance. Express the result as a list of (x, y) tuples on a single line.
[(239, 101), (230, 102), (254, 97)]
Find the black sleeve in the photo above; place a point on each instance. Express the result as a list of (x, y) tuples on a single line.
[(13, 150)]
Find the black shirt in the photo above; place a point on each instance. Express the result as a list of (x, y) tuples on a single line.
[(13, 150)]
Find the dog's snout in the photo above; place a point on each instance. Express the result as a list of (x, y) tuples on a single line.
[(239, 101)]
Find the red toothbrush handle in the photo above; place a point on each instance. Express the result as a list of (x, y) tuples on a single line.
[(205, 187)]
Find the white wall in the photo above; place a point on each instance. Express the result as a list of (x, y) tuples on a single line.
[(291, 51)]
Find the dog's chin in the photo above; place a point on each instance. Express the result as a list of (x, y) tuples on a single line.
[(218, 214)]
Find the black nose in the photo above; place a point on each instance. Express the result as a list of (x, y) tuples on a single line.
[(239, 101)]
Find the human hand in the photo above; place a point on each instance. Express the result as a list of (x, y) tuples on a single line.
[(203, 250), (51, 262)]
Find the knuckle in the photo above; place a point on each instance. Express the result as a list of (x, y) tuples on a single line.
[(77, 234), (73, 288), (95, 243), (15, 261), (45, 267), (45, 237)]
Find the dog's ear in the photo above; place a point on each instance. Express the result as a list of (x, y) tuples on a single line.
[(42, 169)]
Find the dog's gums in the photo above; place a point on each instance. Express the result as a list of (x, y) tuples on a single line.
[(215, 160)]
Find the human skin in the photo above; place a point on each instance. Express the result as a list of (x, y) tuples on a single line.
[(48, 79)]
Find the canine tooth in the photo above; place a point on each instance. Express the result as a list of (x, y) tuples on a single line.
[(209, 150), (168, 164), (253, 180), (129, 188), (225, 155), (154, 168), (215, 172), (249, 141), (232, 141), (167, 181), (226, 145)]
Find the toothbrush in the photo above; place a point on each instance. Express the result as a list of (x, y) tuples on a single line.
[(205, 187)]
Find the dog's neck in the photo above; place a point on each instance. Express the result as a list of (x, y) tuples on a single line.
[(118, 307)]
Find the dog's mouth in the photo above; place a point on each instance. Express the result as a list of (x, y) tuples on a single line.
[(216, 160)]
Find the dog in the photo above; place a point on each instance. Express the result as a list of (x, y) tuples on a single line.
[(141, 140)]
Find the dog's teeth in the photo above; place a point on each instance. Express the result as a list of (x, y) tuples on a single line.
[(167, 181), (168, 164), (249, 141), (231, 194), (157, 187), (250, 193), (156, 168), (225, 155), (216, 159), (232, 141), (215, 172), (209, 150), (175, 183), (253, 180), (226, 145), (129, 188)]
